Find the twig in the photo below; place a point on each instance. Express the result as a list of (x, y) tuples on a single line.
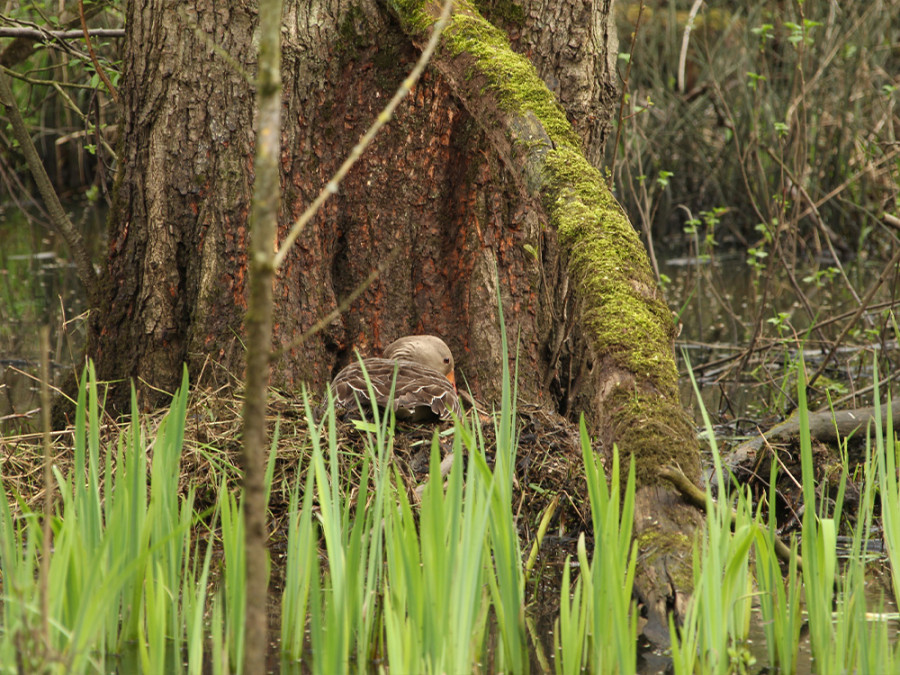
[(56, 390), (59, 87), (838, 402), (889, 269), (637, 25), (263, 225), (35, 34), (887, 157), (697, 498), (813, 210), (792, 278), (682, 57), (97, 67), (704, 367)]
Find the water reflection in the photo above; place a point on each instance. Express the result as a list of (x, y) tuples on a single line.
[(38, 285), (725, 305)]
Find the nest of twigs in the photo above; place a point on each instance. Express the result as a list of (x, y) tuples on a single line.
[(548, 460)]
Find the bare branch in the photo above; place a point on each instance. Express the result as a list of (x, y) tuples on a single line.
[(36, 34)]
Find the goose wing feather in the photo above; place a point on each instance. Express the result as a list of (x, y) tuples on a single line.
[(420, 392)]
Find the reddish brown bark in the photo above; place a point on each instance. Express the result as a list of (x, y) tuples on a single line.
[(434, 202), (431, 191)]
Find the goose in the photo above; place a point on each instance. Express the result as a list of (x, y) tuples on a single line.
[(425, 389)]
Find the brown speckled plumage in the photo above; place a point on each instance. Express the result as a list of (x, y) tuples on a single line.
[(424, 390)]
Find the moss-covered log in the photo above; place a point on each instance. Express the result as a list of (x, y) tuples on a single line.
[(632, 397)]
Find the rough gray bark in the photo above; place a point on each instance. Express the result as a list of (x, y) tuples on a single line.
[(173, 287)]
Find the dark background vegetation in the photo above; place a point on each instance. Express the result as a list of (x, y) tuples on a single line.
[(767, 109)]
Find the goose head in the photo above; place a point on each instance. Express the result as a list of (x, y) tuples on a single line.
[(426, 350)]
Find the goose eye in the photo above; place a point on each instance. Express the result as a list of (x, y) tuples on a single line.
[(447, 360)]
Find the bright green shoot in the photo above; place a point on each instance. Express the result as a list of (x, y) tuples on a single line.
[(607, 580)]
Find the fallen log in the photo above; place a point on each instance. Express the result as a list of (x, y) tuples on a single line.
[(826, 427)]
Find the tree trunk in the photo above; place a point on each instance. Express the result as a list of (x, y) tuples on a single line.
[(432, 191), (174, 287), (478, 185)]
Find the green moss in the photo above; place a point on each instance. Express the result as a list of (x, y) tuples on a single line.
[(511, 76), (633, 325), (647, 425), (412, 15), (654, 545), (502, 11)]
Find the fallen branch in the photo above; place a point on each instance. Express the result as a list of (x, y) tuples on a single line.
[(697, 497), (825, 426)]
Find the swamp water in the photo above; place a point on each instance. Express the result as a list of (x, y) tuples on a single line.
[(38, 285)]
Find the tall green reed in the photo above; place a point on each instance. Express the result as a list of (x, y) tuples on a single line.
[(233, 593), (571, 630), (780, 606), (118, 560), (718, 616), (880, 650), (889, 485), (435, 602), (603, 608), (416, 585), (437, 569), (302, 570), (819, 540), (507, 577), (842, 635), (343, 606)]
